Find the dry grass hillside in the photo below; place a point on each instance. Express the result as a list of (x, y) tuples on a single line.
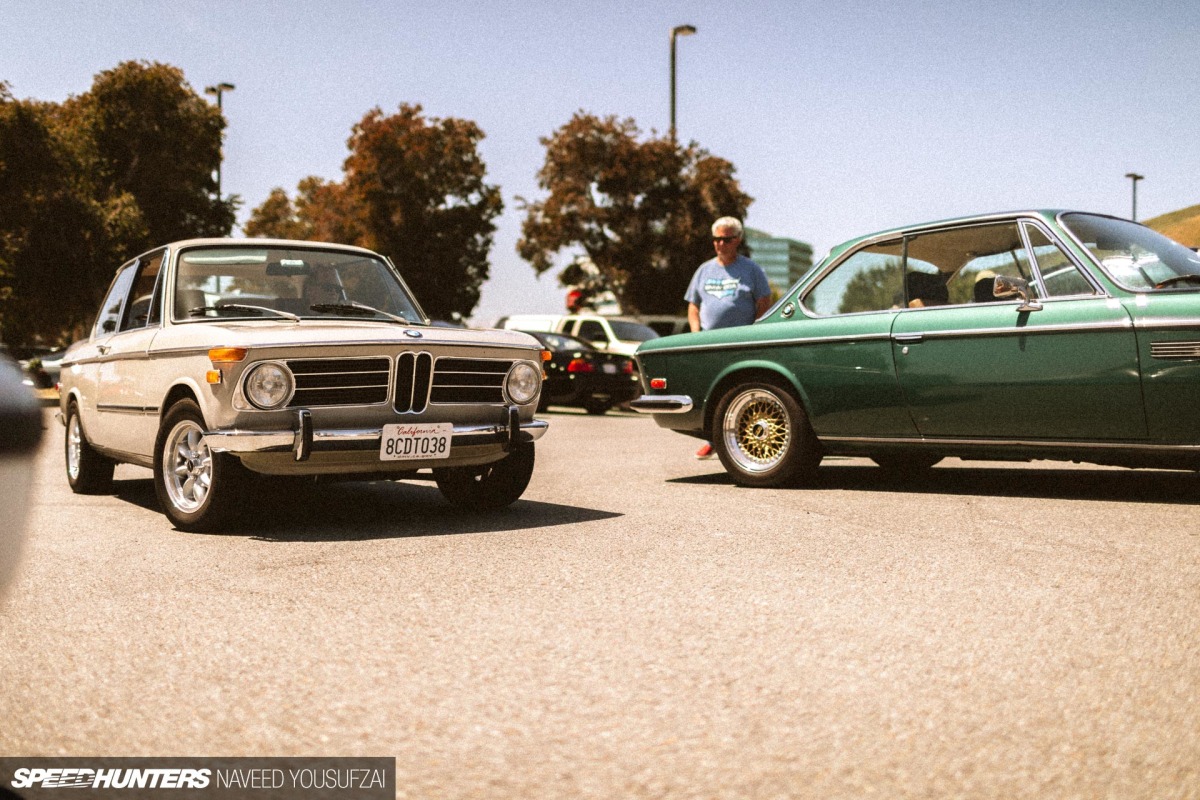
[(1183, 226)]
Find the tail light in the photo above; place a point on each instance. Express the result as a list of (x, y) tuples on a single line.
[(579, 365), (628, 368)]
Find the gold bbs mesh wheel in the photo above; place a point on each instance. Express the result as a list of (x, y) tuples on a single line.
[(757, 430)]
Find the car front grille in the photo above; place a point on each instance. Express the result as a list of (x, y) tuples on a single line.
[(339, 381), (469, 380), (413, 371), (421, 380)]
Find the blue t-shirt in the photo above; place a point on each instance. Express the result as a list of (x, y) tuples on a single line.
[(727, 296)]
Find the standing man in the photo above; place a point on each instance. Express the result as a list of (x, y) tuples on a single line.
[(726, 291)]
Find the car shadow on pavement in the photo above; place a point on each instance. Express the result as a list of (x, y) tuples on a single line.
[(301, 511), (955, 478)]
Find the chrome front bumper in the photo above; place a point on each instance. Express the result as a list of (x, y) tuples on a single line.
[(303, 440), (662, 404)]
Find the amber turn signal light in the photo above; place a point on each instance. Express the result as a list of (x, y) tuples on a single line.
[(219, 355)]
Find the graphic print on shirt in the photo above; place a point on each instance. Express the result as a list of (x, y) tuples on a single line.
[(716, 287)]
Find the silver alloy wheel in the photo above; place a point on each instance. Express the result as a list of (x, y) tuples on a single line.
[(757, 431), (187, 467), (74, 447)]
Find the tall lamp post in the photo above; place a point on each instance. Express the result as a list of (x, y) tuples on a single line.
[(676, 32), (218, 90), (1134, 177)]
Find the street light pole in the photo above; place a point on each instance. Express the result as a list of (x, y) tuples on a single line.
[(1134, 177), (218, 90), (676, 32)]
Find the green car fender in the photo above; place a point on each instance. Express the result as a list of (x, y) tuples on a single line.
[(747, 371)]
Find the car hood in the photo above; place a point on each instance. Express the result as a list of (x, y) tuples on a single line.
[(282, 333)]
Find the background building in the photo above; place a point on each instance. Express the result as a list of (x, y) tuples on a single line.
[(784, 260)]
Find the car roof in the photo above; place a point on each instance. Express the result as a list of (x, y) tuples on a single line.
[(1044, 214), (262, 242)]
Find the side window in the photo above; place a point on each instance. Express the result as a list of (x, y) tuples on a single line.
[(111, 310), (145, 300), (591, 331), (872, 279), (1059, 274), (967, 260)]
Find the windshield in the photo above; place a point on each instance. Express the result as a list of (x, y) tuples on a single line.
[(1135, 256), (632, 331), (259, 282)]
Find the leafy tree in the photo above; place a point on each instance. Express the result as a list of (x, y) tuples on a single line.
[(52, 235), (413, 190), (874, 289), (642, 211), (143, 132), (86, 184)]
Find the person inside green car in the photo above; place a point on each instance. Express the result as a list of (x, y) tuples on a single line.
[(726, 291)]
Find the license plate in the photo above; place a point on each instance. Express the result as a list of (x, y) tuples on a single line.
[(610, 369), (422, 442)]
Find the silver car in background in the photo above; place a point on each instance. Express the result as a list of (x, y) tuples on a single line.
[(214, 358), (20, 432)]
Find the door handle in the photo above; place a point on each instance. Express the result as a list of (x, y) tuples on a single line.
[(104, 348), (909, 338)]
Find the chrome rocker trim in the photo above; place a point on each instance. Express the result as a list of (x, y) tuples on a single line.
[(303, 440), (662, 404)]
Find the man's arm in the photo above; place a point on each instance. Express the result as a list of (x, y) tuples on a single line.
[(761, 306), (693, 317)]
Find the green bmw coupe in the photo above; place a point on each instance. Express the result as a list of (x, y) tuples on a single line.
[(1037, 334)]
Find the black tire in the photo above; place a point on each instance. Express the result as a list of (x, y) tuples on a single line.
[(596, 407), (763, 436), (905, 463), (88, 472), (487, 487), (199, 490)]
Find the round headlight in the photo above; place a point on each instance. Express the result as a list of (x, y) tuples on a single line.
[(523, 382), (269, 385)]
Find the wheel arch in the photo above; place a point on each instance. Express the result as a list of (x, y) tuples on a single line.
[(747, 372), (180, 391)]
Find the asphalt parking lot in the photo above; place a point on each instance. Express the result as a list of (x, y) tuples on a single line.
[(635, 626)]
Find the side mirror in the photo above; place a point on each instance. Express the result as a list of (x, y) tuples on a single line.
[(1005, 286), (109, 325)]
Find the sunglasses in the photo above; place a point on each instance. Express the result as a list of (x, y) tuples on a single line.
[(726, 238)]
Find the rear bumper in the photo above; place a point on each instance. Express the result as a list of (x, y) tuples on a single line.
[(662, 404), (303, 440)]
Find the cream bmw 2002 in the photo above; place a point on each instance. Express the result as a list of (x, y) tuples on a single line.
[(213, 358)]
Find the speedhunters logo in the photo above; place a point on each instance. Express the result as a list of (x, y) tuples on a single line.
[(225, 778), (64, 778)]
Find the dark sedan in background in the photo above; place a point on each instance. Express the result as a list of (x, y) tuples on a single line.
[(581, 376)]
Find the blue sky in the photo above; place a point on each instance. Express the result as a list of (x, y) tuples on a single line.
[(841, 118)]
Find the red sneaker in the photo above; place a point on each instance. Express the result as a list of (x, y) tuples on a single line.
[(705, 452)]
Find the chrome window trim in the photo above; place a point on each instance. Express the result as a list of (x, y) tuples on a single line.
[(819, 273), (1098, 290)]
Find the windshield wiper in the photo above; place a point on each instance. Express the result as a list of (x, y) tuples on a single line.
[(198, 310), (354, 308)]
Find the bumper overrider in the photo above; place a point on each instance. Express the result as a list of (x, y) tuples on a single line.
[(303, 440), (662, 404)]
